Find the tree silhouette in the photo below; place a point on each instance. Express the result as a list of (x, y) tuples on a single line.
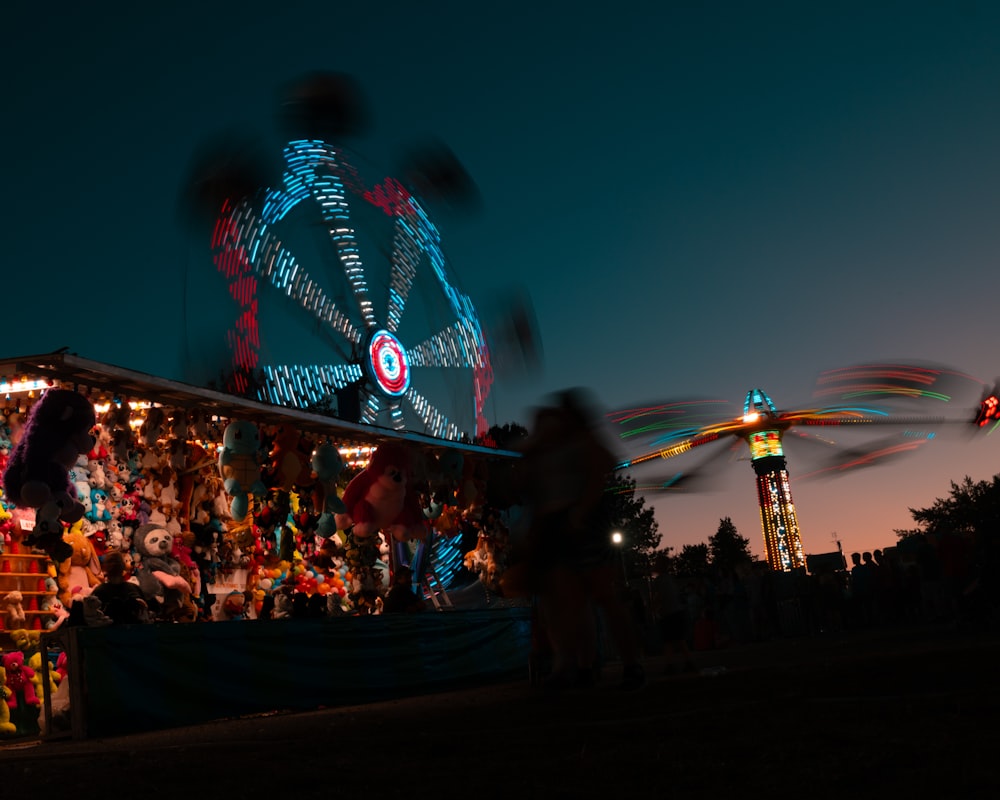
[(726, 548), (692, 561), (972, 509), (626, 513)]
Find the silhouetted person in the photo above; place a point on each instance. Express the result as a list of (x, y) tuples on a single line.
[(300, 605), (566, 469), (316, 606), (120, 599), (266, 608), (400, 599), (671, 618), (887, 588), (862, 590)]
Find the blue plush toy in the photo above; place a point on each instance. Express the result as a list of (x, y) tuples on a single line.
[(98, 511), (239, 466)]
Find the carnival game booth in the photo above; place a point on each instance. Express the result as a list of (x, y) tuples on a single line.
[(262, 557)]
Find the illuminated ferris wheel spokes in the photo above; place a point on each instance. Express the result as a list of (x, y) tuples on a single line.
[(280, 269), (251, 250)]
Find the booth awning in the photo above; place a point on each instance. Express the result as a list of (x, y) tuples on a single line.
[(72, 371)]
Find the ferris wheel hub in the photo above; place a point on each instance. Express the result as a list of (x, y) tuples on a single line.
[(387, 363)]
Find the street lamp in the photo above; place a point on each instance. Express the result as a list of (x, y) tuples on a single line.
[(618, 540)]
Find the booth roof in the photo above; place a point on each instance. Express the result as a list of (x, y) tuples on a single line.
[(70, 370)]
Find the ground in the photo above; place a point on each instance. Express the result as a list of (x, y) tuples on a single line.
[(883, 713)]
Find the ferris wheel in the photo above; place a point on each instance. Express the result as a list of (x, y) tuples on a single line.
[(355, 259)]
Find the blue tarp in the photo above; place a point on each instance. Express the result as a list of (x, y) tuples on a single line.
[(150, 677)]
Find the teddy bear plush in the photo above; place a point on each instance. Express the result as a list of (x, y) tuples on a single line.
[(37, 476), (6, 726), (381, 497), (159, 572), (239, 466), (19, 680), (327, 466), (14, 616)]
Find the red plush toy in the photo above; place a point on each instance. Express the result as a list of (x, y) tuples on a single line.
[(381, 497), (19, 680)]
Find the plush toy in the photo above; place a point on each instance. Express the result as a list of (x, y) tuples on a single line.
[(6, 726), (35, 662), (37, 474), (327, 465), (239, 466), (98, 477), (282, 606), (14, 616), (380, 498), (93, 612), (152, 427), (19, 680), (482, 562), (25, 640), (82, 570), (159, 573), (289, 468), (99, 511), (116, 422), (234, 606)]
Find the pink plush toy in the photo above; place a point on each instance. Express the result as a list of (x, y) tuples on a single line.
[(19, 677), (381, 497)]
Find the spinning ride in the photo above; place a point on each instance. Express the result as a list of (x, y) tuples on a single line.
[(668, 430), (387, 331)]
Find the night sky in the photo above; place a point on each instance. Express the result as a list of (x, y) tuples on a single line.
[(699, 198)]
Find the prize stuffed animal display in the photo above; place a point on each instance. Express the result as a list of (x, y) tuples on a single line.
[(327, 465), (240, 468), (81, 572), (13, 605), (289, 467), (37, 476), (381, 497), (159, 573), (6, 726), (19, 681)]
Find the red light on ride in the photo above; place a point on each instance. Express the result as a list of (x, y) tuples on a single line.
[(989, 411)]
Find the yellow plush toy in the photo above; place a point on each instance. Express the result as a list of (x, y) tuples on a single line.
[(35, 662), (6, 726), (81, 572)]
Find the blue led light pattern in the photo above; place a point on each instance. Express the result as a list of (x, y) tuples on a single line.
[(249, 250)]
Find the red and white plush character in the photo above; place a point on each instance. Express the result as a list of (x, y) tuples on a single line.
[(382, 497)]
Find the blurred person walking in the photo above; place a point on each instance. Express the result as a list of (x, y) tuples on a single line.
[(566, 468)]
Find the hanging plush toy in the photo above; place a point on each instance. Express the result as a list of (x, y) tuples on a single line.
[(159, 572), (288, 467), (381, 497), (37, 476), (240, 468), (327, 465)]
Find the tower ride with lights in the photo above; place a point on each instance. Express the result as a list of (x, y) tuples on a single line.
[(782, 540), (666, 430)]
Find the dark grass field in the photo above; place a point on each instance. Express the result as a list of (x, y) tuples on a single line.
[(902, 713)]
